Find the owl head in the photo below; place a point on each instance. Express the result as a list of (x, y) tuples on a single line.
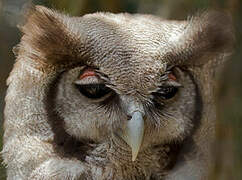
[(106, 76)]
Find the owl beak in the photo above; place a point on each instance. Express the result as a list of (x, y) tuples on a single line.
[(133, 133)]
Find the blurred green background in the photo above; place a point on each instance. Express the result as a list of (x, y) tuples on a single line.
[(228, 149)]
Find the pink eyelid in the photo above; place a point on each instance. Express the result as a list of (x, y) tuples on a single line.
[(172, 77), (87, 73)]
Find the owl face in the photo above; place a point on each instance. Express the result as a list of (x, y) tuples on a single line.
[(128, 76), (124, 75), (166, 116)]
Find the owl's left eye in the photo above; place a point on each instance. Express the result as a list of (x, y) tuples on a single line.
[(93, 91), (166, 92)]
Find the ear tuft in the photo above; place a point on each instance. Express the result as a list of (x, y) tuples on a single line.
[(207, 35), (214, 31), (47, 38)]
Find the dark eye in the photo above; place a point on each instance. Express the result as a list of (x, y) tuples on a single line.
[(166, 92), (93, 91)]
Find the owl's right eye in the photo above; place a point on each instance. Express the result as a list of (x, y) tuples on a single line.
[(90, 85), (93, 91)]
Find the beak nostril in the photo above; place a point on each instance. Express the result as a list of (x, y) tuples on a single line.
[(129, 117)]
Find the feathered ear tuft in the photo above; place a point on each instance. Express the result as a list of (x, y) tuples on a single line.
[(47, 37), (206, 36)]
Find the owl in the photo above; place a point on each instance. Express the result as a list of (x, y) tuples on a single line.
[(114, 96)]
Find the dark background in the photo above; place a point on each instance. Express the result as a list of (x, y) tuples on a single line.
[(228, 149)]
